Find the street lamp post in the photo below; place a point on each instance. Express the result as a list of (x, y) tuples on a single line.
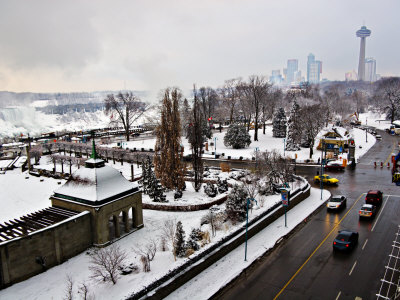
[(215, 147), (256, 150), (247, 224), (284, 146), (322, 168)]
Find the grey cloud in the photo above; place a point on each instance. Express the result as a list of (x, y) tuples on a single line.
[(47, 34)]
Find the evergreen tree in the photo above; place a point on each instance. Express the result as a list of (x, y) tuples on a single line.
[(279, 124), (154, 188), (210, 189), (294, 128), (150, 184), (222, 185), (167, 159), (195, 236), (236, 204), (179, 241), (237, 137), (146, 174)]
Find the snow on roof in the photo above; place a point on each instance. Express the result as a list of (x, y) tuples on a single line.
[(397, 122), (95, 184), (340, 130)]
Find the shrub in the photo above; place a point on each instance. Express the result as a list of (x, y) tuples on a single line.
[(237, 137)]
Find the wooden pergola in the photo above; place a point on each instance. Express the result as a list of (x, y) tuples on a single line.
[(33, 222)]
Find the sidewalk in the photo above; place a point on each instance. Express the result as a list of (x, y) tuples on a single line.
[(210, 281)]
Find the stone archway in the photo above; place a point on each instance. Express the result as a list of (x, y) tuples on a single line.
[(132, 214), (122, 219), (113, 227)]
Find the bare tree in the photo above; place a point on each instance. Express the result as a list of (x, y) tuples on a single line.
[(69, 293), (276, 167), (256, 90), (54, 160), (230, 96), (147, 254), (36, 152), (388, 91), (105, 263), (196, 137), (208, 98), (312, 122), (168, 231), (48, 147), (124, 109), (70, 160), (84, 291)]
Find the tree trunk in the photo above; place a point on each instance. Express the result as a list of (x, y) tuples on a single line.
[(132, 175), (256, 130), (264, 127)]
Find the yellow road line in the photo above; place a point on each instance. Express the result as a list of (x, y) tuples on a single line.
[(390, 154), (312, 254)]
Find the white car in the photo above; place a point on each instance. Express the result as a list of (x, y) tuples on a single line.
[(337, 202)]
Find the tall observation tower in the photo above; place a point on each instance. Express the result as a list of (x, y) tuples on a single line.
[(362, 33)]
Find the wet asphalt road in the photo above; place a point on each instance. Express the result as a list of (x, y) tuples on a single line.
[(305, 267)]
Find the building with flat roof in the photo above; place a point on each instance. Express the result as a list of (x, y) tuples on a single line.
[(292, 68), (314, 69)]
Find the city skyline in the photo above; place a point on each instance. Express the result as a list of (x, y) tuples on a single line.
[(149, 46)]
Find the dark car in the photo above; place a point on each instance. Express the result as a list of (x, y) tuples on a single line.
[(374, 197), (334, 166), (337, 202), (345, 240)]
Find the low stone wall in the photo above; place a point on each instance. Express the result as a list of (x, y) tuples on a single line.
[(191, 268), (34, 253), (192, 207)]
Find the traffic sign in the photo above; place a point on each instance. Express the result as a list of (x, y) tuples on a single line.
[(285, 197)]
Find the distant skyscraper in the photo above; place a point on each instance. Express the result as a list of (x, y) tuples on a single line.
[(363, 33), (276, 77), (370, 69), (297, 77), (292, 67), (314, 69)]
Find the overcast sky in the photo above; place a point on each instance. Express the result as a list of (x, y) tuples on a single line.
[(65, 46)]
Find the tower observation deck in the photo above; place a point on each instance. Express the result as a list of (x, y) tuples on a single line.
[(362, 33)]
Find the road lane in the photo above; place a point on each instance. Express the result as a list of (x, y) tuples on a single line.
[(326, 274)]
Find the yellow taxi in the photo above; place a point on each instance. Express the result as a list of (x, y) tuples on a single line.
[(326, 179)]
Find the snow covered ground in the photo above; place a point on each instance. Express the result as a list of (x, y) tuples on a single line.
[(265, 142), (50, 285), (19, 198), (232, 264)]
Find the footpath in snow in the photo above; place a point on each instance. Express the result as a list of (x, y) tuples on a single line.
[(233, 264)]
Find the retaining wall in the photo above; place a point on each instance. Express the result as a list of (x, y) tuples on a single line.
[(26, 256), (179, 276)]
